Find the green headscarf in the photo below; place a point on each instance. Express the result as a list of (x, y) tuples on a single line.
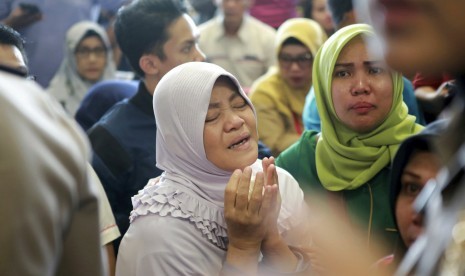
[(346, 159)]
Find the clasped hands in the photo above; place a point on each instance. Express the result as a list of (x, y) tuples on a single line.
[(252, 223)]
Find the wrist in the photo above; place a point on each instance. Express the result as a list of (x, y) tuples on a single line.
[(277, 254), (243, 259)]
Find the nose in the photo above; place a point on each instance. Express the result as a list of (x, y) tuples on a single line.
[(199, 55), (361, 85), (93, 56), (294, 66), (233, 121)]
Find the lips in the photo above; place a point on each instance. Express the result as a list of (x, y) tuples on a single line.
[(239, 141), (362, 107)]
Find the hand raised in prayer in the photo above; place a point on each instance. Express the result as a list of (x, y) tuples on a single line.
[(247, 220), (271, 178)]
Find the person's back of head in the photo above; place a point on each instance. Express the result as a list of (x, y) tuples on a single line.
[(142, 27), (100, 98), (9, 37), (342, 12)]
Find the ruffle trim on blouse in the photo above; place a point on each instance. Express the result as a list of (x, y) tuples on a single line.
[(174, 202)]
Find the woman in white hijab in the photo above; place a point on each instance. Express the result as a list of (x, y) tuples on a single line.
[(87, 60), (203, 218)]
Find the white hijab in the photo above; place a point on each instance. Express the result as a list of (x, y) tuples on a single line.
[(67, 86), (191, 187)]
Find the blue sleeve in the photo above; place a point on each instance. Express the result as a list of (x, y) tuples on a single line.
[(310, 116), (411, 101)]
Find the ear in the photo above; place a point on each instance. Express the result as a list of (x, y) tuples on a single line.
[(150, 64)]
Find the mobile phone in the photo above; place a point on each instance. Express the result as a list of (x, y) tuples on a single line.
[(30, 8)]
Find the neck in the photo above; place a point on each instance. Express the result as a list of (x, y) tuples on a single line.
[(151, 83), (231, 29)]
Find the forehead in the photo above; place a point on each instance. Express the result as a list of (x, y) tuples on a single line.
[(182, 29), (361, 48), (223, 89), (91, 41), (294, 49)]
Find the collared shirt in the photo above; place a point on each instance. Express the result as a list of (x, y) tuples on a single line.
[(246, 55)]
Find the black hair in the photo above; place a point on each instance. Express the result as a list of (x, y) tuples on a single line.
[(8, 36), (142, 28), (292, 41), (338, 9), (92, 33)]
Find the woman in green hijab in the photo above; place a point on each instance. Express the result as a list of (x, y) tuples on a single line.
[(363, 122)]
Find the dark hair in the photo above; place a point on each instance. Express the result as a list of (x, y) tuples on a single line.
[(142, 28), (9, 36), (92, 33), (338, 9), (292, 41)]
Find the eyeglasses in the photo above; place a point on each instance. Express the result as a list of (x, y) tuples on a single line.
[(85, 52), (304, 60)]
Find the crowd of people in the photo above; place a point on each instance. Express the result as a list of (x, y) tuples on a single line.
[(235, 137)]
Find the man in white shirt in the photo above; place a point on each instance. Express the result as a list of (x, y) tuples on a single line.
[(238, 42)]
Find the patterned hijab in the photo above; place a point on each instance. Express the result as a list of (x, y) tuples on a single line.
[(67, 86), (346, 159)]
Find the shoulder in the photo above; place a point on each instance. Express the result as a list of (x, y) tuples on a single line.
[(167, 245), (267, 86), (209, 26), (305, 144), (264, 28)]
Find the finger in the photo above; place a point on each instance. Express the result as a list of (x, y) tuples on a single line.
[(265, 165), (271, 175), (242, 197), (256, 198), (231, 190), (268, 199)]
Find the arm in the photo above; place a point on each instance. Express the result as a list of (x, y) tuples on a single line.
[(432, 100), (21, 18), (111, 258)]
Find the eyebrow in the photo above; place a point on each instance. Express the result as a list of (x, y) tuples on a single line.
[(231, 98), (351, 64), (411, 174)]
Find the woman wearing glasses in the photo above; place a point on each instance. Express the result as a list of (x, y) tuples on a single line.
[(279, 95), (87, 60)]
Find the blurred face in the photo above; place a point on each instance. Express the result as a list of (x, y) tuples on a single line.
[(362, 88), (182, 46), (230, 134), (422, 35), (233, 11), (10, 56), (421, 167), (295, 66), (91, 58), (320, 14)]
